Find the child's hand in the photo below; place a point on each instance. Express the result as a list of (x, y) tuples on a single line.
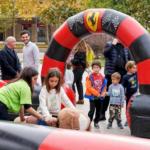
[(52, 122)]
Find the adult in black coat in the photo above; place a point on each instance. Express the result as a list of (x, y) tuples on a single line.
[(79, 65), (9, 61), (116, 57)]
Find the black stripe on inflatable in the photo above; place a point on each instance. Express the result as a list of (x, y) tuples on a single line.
[(140, 48), (144, 89), (57, 52), (21, 137), (77, 26), (111, 21)]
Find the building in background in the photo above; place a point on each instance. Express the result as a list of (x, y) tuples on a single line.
[(37, 29)]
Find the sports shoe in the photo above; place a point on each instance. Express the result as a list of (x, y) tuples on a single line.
[(96, 125), (109, 125), (120, 125), (126, 124)]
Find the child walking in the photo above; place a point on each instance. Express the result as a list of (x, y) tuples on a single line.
[(130, 81), (116, 93), (95, 91)]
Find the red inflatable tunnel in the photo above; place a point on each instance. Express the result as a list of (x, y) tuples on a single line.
[(115, 23), (26, 137)]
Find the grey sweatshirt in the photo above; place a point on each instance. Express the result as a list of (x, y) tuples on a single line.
[(116, 93), (31, 55)]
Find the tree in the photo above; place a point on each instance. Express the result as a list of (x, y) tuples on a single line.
[(60, 10), (139, 9), (7, 12)]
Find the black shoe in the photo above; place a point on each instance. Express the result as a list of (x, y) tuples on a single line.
[(120, 125), (96, 125), (102, 118), (126, 124), (109, 125)]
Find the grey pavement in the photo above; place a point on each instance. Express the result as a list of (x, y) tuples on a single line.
[(103, 124), (85, 108)]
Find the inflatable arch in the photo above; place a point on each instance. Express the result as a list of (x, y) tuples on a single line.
[(125, 28), (115, 23)]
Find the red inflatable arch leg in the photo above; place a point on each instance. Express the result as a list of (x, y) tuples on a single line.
[(117, 24)]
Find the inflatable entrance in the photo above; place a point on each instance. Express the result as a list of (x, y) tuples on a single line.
[(129, 32)]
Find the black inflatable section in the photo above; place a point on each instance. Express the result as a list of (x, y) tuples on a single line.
[(140, 116), (35, 102), (21, 137)]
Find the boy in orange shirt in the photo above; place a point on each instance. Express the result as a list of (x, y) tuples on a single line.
[(95, 92)]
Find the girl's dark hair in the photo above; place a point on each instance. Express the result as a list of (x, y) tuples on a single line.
[(26, 74), (53, 72)]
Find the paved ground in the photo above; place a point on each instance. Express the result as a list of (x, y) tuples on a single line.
[(103, 124), (85, 108)]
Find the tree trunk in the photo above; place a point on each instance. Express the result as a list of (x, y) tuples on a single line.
[(47, 33)]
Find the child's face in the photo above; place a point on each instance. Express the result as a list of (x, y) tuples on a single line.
[(96, 69), (34, 80), (53, 81), (133, 69), (115, 81)]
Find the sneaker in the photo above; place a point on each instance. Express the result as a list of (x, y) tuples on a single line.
[(109, 125), (80, 102), (120, 125), (126, 124), (96, 125)]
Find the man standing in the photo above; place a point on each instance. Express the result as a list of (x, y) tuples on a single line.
[(116, 57), (9, 61), (30, 51)]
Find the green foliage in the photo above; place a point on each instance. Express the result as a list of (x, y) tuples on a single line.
[(139, 9), (60, 10), (7, 11), (57, 11)]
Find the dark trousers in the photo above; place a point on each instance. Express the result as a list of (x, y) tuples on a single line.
[(78, 72), (3, 112), (128, 98), (95, 105)]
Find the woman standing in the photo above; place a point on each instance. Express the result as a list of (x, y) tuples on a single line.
[(79, 65)]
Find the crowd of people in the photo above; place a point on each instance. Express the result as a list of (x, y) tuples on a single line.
[(117, 86)]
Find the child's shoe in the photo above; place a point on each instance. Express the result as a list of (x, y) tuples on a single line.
[(120, 125), (109, 125), (96, 125), (126, 124)]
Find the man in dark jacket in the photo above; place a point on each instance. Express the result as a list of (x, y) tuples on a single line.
[(9, 61), (116, 56)]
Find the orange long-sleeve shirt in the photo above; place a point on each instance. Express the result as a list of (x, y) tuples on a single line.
[(95, 89)]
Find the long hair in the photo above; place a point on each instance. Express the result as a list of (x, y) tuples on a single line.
[(26, 74), (53, 72)]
